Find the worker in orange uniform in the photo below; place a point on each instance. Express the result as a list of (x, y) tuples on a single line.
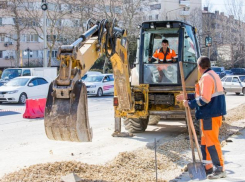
[(163, 55), (209, 101)]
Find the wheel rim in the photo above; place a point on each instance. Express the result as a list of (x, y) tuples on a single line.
[(100, 92), (23, 99)]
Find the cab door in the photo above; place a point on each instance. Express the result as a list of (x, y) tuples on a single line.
[(111, 83), (236, 85), (106, 85), (227, 84), (32, 89)]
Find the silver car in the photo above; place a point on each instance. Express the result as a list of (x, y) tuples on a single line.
[(234, 83)]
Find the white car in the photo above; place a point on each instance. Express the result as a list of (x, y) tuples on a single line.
[(20, 88), (89, 73), (99, 84)]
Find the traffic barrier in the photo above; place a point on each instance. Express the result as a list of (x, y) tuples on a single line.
[(35, 108)]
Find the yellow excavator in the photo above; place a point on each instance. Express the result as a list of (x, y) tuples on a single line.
[(140, 96)]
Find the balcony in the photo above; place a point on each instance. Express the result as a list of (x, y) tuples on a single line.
[(184, 2), (184, 13)]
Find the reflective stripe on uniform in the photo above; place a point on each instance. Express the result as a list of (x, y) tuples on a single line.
[(217, 94), (215, 84)]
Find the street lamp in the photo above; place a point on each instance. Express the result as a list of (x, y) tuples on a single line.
[(28, 51), (173, 10), (44, 7)]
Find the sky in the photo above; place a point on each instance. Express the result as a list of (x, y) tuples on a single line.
[(217, 5)]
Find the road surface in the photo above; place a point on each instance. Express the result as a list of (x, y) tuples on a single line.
[(23, 141)]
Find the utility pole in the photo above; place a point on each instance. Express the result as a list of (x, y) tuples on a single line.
[(44, 7)]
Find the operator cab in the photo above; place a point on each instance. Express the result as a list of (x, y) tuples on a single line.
[(181, 38)]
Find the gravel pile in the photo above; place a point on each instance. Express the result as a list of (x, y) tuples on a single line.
[(137, 166)]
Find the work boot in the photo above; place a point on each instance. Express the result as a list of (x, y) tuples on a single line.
[(209, 171), (217, 174)]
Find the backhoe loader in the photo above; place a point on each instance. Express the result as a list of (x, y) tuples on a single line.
[(139, 94)]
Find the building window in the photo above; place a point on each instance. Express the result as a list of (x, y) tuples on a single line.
[(155, 6), (1, 21), (150, 17), (2, 37), (32, 38), (1, 54), (51, 37), (156, 17), (54, 54)]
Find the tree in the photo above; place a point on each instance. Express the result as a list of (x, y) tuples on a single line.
[(235, 10), (57, 25), (13, 8), (195, 19)]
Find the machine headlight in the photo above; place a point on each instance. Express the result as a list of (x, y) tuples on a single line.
[(91, 86), (13, 92)]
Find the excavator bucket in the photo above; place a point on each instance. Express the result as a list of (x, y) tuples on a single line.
[(67, 119)]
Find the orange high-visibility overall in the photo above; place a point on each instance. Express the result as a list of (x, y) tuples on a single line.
[(209, 87)]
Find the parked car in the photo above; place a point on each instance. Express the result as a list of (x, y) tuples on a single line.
[(99, 84), (228, 72), (48, 73), (234, 83), (219, 70), (238, 71), (19, 89), (91, 73)]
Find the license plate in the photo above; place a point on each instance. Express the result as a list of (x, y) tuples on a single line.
[(1, 96)]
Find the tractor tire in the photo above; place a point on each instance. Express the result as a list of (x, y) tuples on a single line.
[(154, 119), (134, 125)]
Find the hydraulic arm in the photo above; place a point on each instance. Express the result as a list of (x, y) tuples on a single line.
[(66, 113)]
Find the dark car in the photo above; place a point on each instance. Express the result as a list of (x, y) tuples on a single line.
[(220, 71), (238, 71), (228, 72)]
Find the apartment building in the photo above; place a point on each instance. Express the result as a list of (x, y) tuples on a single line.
[(169, 9), (228, 38), (24, 30), (66, 20)]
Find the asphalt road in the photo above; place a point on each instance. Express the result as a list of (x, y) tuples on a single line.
[(23, 141)]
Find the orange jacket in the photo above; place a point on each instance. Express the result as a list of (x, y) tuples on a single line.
[(209, 99), (161, 57)]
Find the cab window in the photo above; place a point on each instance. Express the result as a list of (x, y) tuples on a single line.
[(111, 77), (41, 81), (163, 73), (26, 73), (223, 79), (106, 79), (228, 79), (190, 52), (235, 79), (35, 82)]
